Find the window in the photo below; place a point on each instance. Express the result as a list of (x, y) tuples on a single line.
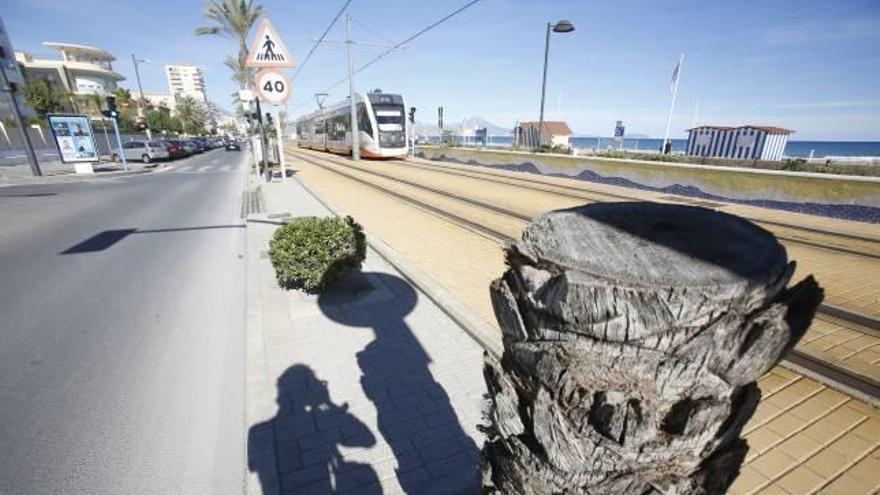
[(364, 119)]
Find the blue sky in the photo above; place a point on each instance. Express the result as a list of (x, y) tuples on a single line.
[(808, 65)]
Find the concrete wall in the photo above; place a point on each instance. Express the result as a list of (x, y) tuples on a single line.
[(728, 183)]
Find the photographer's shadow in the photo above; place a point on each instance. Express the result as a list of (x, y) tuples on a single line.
[(304, 400), (415, 415)]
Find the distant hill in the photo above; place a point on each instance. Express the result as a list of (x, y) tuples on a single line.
[(467, 124)]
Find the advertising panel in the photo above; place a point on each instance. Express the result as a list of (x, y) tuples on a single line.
[(74, 138)]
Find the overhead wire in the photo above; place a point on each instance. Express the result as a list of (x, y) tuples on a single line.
[(318, 42), (407, 40)]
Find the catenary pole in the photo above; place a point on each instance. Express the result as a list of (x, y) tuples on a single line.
[(679, 69), (16, 113), (355, 138)]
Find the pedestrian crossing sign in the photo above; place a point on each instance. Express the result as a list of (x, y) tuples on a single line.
[(268, 50)]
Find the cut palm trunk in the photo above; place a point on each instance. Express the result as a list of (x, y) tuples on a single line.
[(633, 337)]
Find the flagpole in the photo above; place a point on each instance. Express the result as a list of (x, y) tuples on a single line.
[(672, 105)]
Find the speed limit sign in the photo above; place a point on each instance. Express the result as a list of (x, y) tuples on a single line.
[(272, 86)]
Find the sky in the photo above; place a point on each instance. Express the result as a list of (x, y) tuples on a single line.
[(808, 65)]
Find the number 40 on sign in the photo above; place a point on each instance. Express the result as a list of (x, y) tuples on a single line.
[(272, 86)]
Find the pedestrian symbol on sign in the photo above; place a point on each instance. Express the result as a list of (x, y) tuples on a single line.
[(268, 54), (268, 50)]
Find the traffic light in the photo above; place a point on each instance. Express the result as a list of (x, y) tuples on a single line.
[(269, 118), (412, 115), (110, 107)]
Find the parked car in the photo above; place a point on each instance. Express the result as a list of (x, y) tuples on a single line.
[(188, 147), (175, 150), (198, 145), (146, 151), (232, 144)]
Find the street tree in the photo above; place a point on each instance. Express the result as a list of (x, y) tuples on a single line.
[(40, 96), (233, 19), (192, 114)]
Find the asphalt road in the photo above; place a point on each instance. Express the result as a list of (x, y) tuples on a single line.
[(121, 332)]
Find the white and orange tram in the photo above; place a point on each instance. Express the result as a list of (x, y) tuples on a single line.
[(382, 126)]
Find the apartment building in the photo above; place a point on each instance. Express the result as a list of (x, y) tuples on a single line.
[(186, 80)]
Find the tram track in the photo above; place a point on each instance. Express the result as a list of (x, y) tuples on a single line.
[(576, 192), (842, 378), (867, 320)]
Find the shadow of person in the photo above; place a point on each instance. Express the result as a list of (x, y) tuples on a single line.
[(294, 465), (415, 415)]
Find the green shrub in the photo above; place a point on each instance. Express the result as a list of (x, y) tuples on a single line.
[(313, 252)]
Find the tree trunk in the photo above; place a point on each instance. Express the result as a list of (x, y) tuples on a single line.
[(633, 336)]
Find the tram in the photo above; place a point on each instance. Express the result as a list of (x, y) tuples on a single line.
[(382, 128)]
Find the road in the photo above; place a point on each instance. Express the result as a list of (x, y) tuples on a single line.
[(121, 332)]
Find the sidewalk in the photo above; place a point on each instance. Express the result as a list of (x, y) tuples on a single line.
[(64, 172), (369, 388)]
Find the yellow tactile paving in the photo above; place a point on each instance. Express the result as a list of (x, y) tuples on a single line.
[(804, 436), (453, 255), (845, 345)]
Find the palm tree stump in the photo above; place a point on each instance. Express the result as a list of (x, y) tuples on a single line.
[(633, 336)]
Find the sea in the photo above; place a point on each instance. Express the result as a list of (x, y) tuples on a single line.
[(794, 149)]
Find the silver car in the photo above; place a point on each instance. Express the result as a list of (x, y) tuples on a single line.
[(145, 151)]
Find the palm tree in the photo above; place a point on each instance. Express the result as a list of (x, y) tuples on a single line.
[(233, 19), (240, 74), (191, 113)]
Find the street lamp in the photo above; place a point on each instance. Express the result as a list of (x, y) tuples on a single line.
[(562, 26), (137, 74)]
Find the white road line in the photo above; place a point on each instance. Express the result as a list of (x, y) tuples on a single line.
[(15, 156), (205, 168), (225, 168), (184, 169)]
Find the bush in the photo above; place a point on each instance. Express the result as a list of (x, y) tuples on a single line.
[(312, 253)]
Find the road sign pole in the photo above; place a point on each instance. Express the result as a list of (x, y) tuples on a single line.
[(280, 137), (262, 137), (119, 143)]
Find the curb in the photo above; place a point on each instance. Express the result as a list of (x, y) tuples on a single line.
[(257, 394), (74, 178), (484, 334)]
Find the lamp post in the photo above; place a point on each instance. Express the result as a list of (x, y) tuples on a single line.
[(562, 26), (137, 74)]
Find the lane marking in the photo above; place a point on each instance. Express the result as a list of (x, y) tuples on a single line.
[(205, 168), (184, 169)]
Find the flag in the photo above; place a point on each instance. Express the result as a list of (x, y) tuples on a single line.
[(675, 74)]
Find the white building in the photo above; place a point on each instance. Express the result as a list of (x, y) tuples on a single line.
[(748, 142), (78, 73), (186, 80), (558, 133)]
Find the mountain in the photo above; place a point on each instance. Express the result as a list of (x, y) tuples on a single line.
[(466, 125), (477, 122)]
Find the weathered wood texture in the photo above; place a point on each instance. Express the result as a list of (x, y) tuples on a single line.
[(633, 336)]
